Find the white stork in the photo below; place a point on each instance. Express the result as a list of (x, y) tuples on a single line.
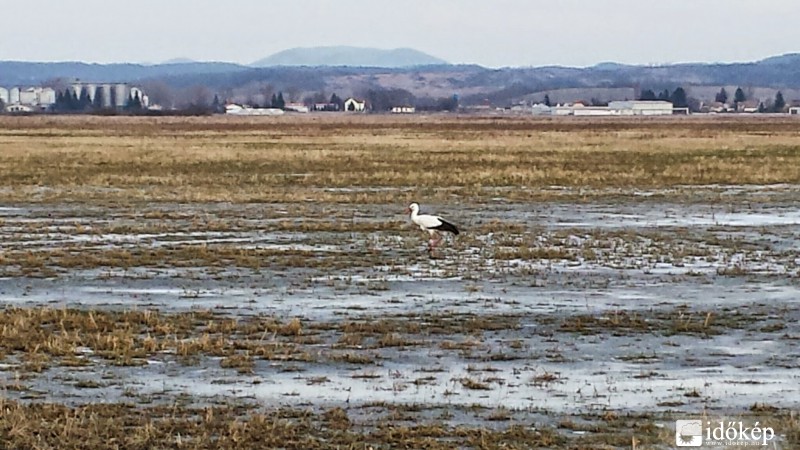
[(432, 224)]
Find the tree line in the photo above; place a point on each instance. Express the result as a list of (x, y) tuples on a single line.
[(68, 100), (679, 99)]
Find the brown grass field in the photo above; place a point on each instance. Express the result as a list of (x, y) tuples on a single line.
[(381, 159)]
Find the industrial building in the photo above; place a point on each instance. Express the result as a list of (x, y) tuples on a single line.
[(615, 108), (114, 95), (27, 99), (30, 99)]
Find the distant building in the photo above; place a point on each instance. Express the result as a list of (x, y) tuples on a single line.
[(115, 95), (326, 107), (403, 109), (28, 99), (616, 108), (354, 105), (715, 107), (241, 110), (540, 109), (43, 98), (18, 108), (296, 107), (749, 106), (642, 107), (794, 110)]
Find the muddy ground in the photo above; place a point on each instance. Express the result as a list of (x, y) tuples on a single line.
[(598, 322)]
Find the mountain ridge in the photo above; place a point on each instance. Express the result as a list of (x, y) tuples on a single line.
[(471, 83)]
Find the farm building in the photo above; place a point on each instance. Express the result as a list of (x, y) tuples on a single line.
[(40, 98), (17, 108), (27, 99), (112, 95), (326, 107), (240, 110), (617, 108), (296, 107), (354, 105), (642, 108), (403, 109)]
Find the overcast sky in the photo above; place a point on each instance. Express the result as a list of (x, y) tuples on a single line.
[(492, 33)]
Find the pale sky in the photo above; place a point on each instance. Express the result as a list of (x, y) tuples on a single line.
[(493, 33)]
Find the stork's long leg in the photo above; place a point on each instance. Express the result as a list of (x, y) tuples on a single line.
[(438, 239), (432, 241)]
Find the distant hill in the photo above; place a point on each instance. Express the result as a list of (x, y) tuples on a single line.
[(179, 60), (349, 56), (788, 58)]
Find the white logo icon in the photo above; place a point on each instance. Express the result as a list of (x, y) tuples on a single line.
[(688, 433)]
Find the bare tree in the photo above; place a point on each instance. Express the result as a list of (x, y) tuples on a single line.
[(198, 96), (159, 93), (292, 94)]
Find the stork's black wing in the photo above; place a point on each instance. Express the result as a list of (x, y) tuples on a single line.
[(446, 226)]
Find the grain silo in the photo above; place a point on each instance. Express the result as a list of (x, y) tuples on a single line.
[(106, 92), (92, 91), (47, 96), (4, 95), (13, 95), (120, 95)]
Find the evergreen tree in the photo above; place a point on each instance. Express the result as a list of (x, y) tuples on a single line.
[(59, 106), (722, 96), (74, 102), (274, 102), (84, 102), (647, 94), (739, 96), (547, 100), (678, 98), (762, 108), (664, 95), (779, 103), (337, 101), (134, 103), (216, 105), (98, 99), (281, 102)]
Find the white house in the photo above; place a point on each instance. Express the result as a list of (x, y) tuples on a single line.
[(18, 108), (354, 105)]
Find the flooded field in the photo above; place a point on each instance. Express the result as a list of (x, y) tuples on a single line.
[(592, 319)]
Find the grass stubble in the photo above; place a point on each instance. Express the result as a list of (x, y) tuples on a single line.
[(36, 340), (377, 159)]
